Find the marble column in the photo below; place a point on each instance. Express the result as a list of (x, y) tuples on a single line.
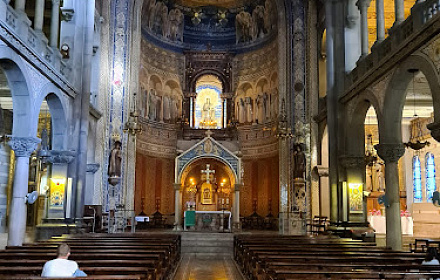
[(23, 148), (236, 226), (399, 12), (39, 16), (363, 6), (20, 6), (391, 154), (178, 207), (54, 23), (380, 21)]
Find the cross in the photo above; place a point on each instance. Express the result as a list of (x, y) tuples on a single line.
[(208, 173)]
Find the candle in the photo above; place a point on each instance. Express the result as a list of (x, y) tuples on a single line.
[(227, 200)]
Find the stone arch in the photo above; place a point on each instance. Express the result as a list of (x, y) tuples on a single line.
[(262, 85), (395, 96), (58, 113), (187, 168), (356, 133), (155, 82), (21, 97)]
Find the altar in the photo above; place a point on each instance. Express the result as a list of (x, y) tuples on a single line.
[(207, 220)]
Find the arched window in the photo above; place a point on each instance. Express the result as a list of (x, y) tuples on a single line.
[(417, 179), (430, 176)]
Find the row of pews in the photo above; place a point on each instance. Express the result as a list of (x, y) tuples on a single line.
[(270, 257), (101, 256)]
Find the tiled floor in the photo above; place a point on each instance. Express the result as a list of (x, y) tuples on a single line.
[(192, 268)]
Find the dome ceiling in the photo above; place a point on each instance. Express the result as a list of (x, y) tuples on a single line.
[(226, 25)]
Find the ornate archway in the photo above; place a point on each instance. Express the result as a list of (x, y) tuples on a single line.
[(208, 150)]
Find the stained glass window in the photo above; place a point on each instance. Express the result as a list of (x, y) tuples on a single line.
[(430, 176), (417, 179)]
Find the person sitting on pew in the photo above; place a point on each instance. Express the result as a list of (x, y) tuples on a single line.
[(432, 257), (61, 266)]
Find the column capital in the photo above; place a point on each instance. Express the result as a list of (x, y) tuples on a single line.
[(363, 4), (61, 157), (24, 146), (349, 161), (177, 187), (390, 152), (93, 167), (435, 130)]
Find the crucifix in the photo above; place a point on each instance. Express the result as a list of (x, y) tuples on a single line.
[(208, 173)]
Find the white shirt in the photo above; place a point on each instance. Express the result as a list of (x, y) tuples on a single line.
[(59, 268)]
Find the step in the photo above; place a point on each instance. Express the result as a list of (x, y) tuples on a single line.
[(206, 249), (209, 256), (208, 243)]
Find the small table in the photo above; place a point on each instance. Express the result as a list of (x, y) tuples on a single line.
[(191, 218)]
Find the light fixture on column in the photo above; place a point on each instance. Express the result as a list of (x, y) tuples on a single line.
[(132, 126), (415, 145)]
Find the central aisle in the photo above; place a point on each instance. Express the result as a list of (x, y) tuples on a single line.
[(193, 268), (207, 256)]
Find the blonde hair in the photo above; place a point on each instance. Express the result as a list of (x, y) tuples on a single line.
[(63, 250)]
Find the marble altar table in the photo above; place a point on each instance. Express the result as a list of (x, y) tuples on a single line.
[(215, 221)]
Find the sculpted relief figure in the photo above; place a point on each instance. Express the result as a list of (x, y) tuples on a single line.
[(268, 16), (299, 161), (114, 163), (176, 25), (152, 114), (166, 109), (163, 16), (151, 13), (243, 23), (241, 111), (260, 109), (266, 107), (257, 22), (248, 107)]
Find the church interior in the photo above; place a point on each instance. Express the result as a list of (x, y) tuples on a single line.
[(199, 121)]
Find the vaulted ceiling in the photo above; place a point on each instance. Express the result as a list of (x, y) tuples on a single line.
[(218, 3)]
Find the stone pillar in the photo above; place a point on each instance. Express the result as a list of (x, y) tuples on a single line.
[(399, 11), (178, 207), (23, 148), (391, 153), (39, 16), (435, 130), (54, 24), (380, 21), (20, 6), (236, 226), (285, 187), (363, 8)]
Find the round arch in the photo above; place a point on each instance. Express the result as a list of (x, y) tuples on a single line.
[(181, 176), (21, 98), (356, 133), (395, 95)]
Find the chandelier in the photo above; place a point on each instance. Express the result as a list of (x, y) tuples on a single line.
[(416, 145), (133, 126)]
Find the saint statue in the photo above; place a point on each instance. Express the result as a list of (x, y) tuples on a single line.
[(299, 162), (114, 163), (207, 110)]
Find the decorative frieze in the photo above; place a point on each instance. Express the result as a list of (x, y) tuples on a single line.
[(61, 157)]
